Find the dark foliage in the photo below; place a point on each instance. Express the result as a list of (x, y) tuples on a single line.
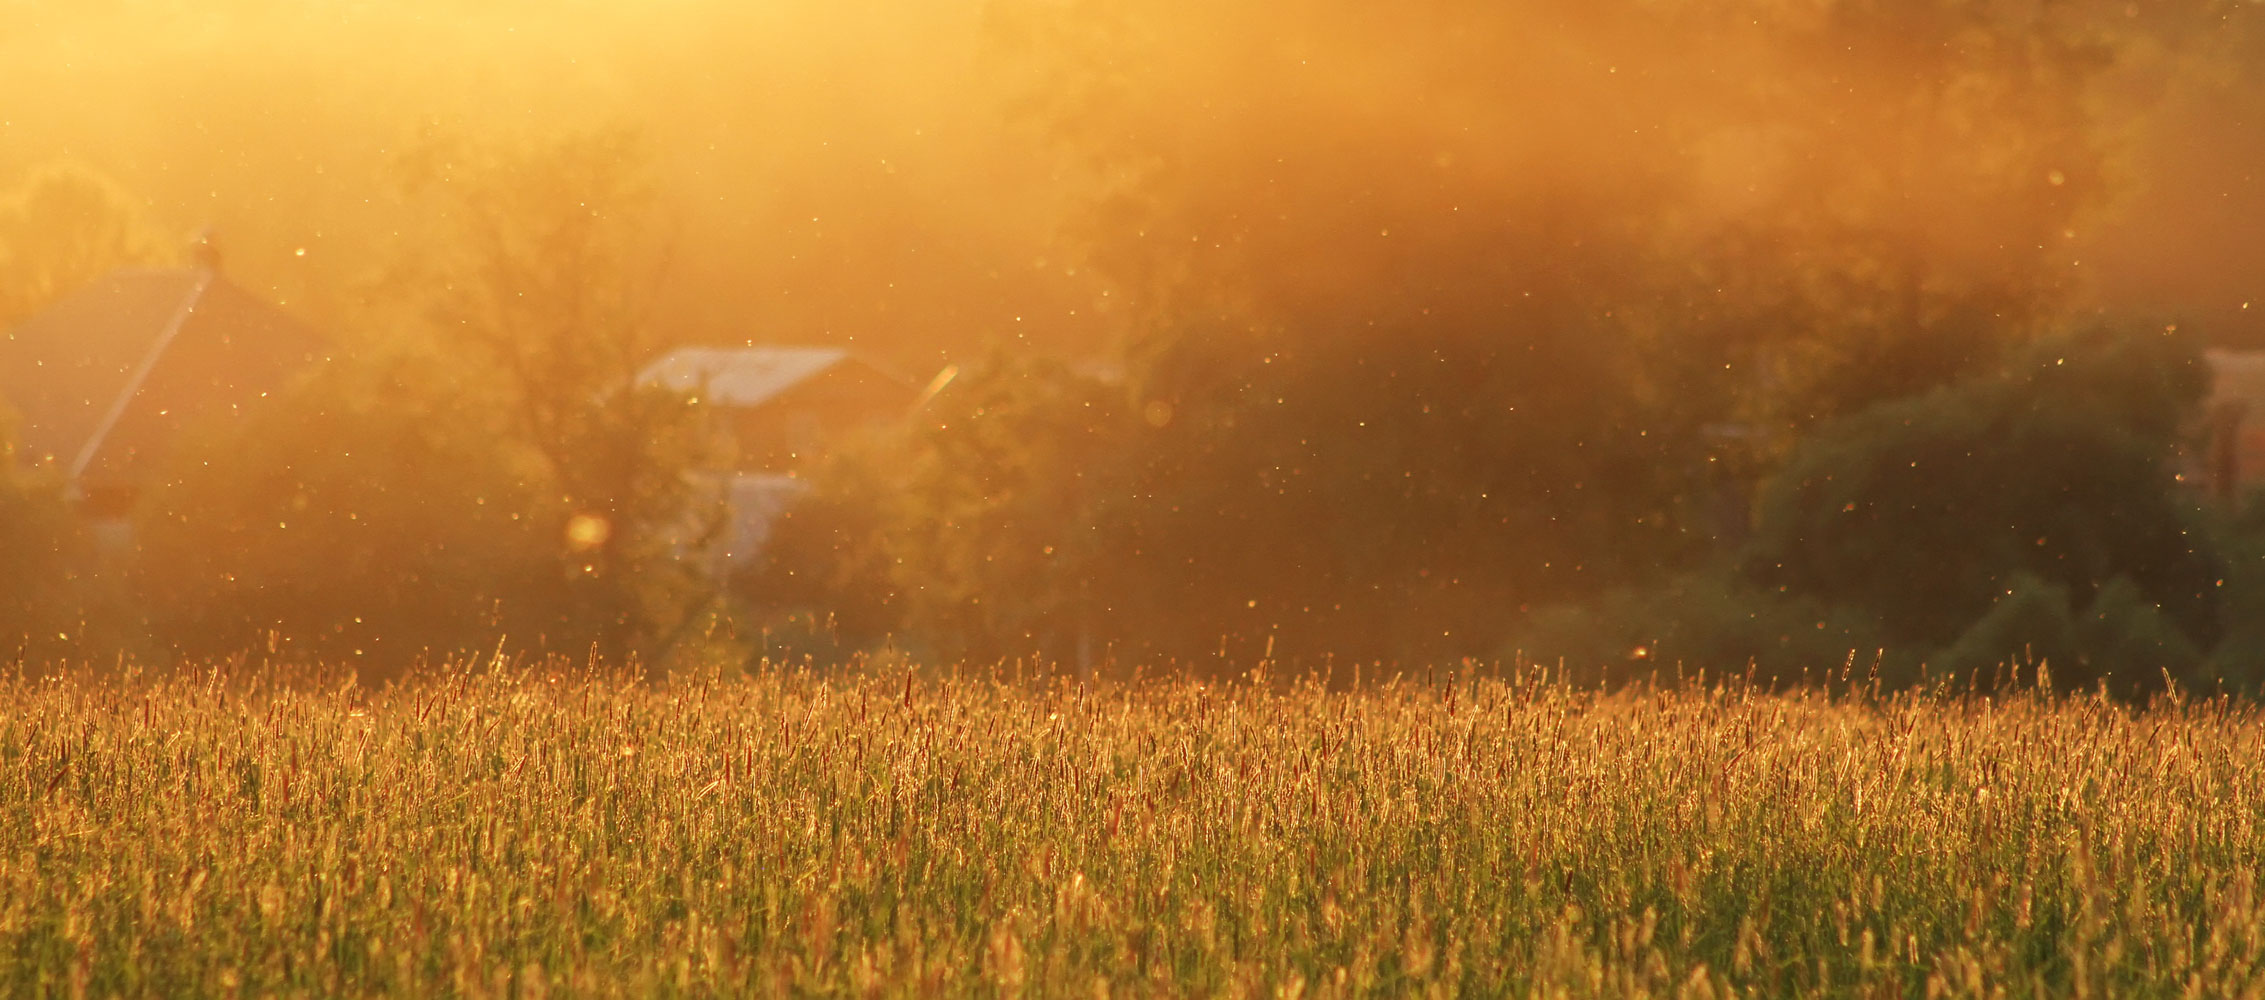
[(1923, 510)]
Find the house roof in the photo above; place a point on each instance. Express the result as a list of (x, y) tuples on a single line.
[(104, 379), (739, 376), (2236, 374)]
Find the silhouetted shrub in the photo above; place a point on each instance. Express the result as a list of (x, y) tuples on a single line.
[(1924, 511)]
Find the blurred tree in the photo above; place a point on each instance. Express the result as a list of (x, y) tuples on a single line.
[(1717, 622), (61, 229), (2121, 640), (831, 555), (539, 285), (2238, 658), (1907, 212), (1873, 200), (359, 518), (42, 556), (1923, 510), (1008, 490), (2029, 623), (1396, 490), (1428, 364), (2028, 515), (984, 530)]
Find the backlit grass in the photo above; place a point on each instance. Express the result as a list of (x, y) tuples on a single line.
[(508, 832)]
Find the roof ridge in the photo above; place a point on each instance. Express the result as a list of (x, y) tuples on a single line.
[(756, 348), (133, 385)]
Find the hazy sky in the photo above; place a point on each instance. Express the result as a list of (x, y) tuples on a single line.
[(829, 170)]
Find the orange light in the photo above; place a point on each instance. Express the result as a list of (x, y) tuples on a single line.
[(585, 532)]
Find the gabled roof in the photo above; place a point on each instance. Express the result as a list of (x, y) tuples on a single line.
[(744, 377), (104, 379), (2236, 375)]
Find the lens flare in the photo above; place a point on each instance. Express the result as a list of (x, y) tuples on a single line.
[(586, 532)]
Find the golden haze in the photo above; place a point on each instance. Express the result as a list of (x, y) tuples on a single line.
[(916, 178)]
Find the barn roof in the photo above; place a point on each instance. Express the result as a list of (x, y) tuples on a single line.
[(744, 377), (2236, 374), (103, 379)]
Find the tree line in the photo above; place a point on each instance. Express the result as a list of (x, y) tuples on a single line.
[(1787, 373)]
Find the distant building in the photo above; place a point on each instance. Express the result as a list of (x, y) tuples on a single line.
[(104, 381), (2233, 450), (778, 407), (776, 410)]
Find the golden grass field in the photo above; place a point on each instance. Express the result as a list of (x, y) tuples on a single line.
[(502, 831)]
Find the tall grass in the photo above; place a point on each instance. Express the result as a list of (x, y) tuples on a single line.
[(506, 832)]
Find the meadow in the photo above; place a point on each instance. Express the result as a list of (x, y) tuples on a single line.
[(499, 830)]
